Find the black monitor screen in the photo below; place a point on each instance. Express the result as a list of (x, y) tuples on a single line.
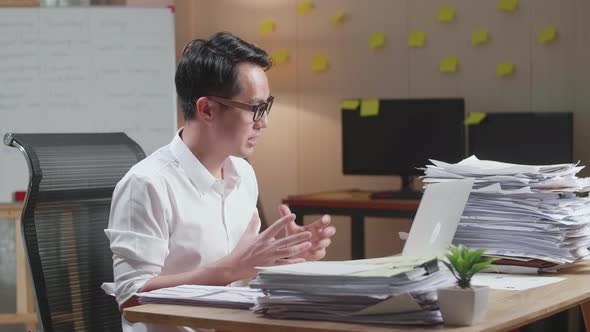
[(403, 136), (524, 138)]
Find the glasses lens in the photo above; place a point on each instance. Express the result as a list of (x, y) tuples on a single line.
[(269, 103), (260, 109)]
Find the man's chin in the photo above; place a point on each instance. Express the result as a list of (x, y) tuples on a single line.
[(244, 153)]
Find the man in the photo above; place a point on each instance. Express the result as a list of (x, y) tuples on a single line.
[(187, 213)]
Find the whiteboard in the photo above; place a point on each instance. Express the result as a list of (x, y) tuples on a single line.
[(84, 70)]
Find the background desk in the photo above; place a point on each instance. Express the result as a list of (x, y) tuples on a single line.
[(25, 311), (357, 205), (507, 310)]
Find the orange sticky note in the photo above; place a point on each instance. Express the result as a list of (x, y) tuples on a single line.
[(417, 38), (376, 40), (446, 14), (319, 63), (548, 34), (266, 27), (480, 37), (475, 118), (349, 104), (449, 64), (505, 69), (369, 107), (304, 7), (507, 5), (280, 56), (338, 18)]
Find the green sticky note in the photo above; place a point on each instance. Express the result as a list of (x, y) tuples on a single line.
[(349, 104), (319, 63), (480, 37), (338, 18), (505, 69), (369, 107), (446, 14), (304, 7), (280, 57), (475, 118), (449, 64), (548, 34), (417, 38), (507, 5), (376, 40), (266, 27)]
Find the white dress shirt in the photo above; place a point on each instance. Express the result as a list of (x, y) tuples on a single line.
[(170, 215)]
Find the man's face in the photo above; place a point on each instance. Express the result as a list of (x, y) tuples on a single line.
[(236, 130)]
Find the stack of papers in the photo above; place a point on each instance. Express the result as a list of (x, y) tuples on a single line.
[(212, 296), (389, 290), (529, 215)]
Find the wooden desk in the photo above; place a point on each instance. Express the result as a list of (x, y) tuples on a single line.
[(25, 308), (357, 205), (507, 310)]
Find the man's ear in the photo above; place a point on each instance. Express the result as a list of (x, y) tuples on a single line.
[(204, 109)]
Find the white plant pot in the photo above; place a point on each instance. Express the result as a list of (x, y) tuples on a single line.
[(463, 306)]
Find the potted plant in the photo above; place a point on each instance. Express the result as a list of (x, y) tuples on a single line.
[(464, 304)]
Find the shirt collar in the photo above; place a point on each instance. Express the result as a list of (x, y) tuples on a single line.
[(199, 175)]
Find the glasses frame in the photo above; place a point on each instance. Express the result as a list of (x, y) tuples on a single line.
[(256, 109)]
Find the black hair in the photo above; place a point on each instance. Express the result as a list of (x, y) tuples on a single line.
[(209, 68)]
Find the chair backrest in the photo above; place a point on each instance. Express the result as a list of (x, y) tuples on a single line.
[(72, 178)]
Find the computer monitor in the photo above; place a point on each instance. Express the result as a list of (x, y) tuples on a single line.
[(524, 138), (403, 136)]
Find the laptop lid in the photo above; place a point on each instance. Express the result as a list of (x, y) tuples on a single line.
[(437, 218)]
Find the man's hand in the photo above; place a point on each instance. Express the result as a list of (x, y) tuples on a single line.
[(320, 231), (263, 249)]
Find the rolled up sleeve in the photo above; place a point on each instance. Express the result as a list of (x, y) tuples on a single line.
[(138, 234)]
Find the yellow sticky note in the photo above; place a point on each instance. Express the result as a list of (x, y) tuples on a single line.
[(446, 14), (280, 57), (449, 64), (474, 118), (376, 40), (338, 18), (304, 7), (507, 5), (505, 69), (480, 37), (548, 34), (267, 26), (417, 38), (349, 104), (319, 63), (369, 107)]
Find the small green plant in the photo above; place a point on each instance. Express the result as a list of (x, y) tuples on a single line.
[(464, 263)]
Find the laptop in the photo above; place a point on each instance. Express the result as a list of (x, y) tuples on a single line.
[(437, 218)]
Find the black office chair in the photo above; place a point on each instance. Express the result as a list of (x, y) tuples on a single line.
[(72, 178)]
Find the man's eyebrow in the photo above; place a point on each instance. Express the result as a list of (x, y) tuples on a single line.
[(257, 101)]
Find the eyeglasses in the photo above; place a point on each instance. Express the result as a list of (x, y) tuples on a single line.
[(258, 110)]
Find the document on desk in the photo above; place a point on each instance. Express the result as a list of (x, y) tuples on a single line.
[(323, 268), (522, 211), (386, 290), (512, 282), (386, 275), (216, 296)]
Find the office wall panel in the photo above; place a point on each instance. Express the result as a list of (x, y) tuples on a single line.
[(552, 69), (301, 150)]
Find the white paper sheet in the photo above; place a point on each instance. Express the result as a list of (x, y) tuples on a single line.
[(512, 281), (324, 268)]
